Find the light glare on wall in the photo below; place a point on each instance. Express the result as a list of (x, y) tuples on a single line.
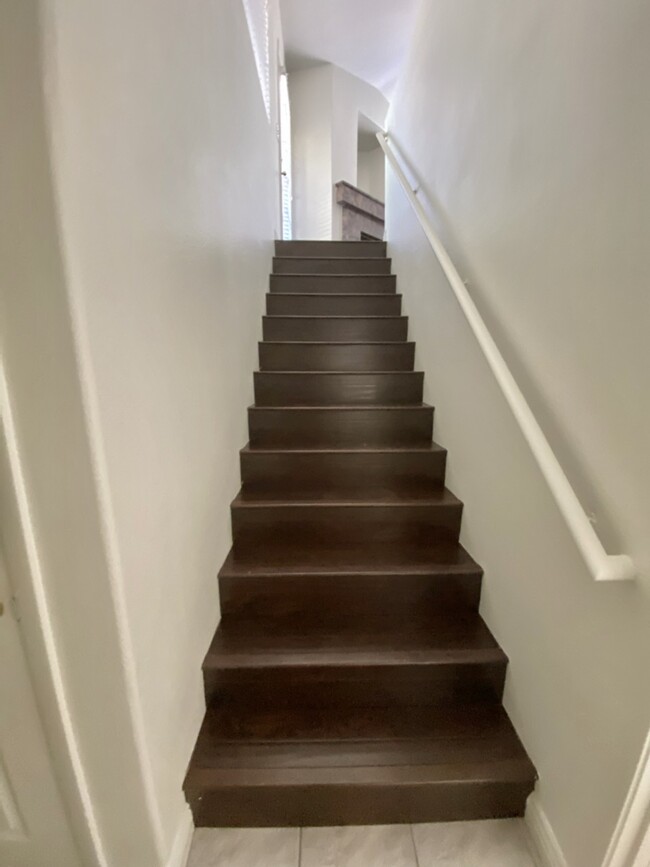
[(257, 16)]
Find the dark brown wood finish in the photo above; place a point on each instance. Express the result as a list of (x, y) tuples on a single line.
[(347, 304), (299, 388), (351, 679), (318, 355), (340, 425), (331, 249), (331, 265), (334, 329), (356, 284), (353, 469)]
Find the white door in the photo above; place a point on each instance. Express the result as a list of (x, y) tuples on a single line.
[(34, 830)]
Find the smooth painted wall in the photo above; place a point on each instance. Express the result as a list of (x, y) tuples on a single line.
[(352, 97), (528, 129), (310, 97), (52, 526), (165, 178), (371, 172), (325, 106)]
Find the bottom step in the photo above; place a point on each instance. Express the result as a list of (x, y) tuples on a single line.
[(357, 767)]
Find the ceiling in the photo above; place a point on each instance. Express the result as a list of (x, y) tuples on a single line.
[(367, 38)]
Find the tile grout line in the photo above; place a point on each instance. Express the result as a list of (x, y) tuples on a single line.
[(415, 848)]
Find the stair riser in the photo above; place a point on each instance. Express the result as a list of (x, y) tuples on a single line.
[(327, 249), (340, 525), (342, 427), (310, 806), (337, 599), (362, 686), (325, 283), (336, 329), (322, 356), (333, 305), (286, 472), (317, 389), (328, 265)]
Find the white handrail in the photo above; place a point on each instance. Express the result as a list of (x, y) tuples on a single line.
[(603, 566)]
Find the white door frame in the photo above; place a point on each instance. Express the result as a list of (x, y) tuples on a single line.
[(34, 822), (20, 548), (630, 843), (55, 510)]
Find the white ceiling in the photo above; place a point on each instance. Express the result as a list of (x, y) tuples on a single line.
[(368, 38)]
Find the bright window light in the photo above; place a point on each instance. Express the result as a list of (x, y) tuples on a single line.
[(257, 16)]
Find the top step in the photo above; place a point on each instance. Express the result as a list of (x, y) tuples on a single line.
[(323, 249)]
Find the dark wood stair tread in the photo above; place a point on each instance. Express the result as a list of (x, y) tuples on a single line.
[(331, 264), (292, 557), (337, 372), (465, 640), (344, 406), (224, 724), (377, 450), (412, 494), (352, 355), (328, 275), (486, 771), (366, 764), (302, 248), (337, 343), (356, 737)]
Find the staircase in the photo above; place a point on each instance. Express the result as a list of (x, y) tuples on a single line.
[(351, 679)]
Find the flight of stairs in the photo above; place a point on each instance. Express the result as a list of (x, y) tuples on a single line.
[(351, 679)]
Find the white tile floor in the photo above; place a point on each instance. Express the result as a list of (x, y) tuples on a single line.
[(499, 843)]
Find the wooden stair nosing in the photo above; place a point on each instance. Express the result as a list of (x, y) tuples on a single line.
[(293, 565), (438, 497), (467, 641), (428, 448)]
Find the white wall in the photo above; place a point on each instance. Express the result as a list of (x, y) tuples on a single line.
[(529, 130), (165, 186), (310, 96), (351, 98), (325, 106), (371, 172), (50, 518)]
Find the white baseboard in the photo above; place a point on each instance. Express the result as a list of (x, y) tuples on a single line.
[(182, 841), (546, 848)]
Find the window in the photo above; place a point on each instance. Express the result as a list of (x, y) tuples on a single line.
[(257, 16), (285, 156)]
